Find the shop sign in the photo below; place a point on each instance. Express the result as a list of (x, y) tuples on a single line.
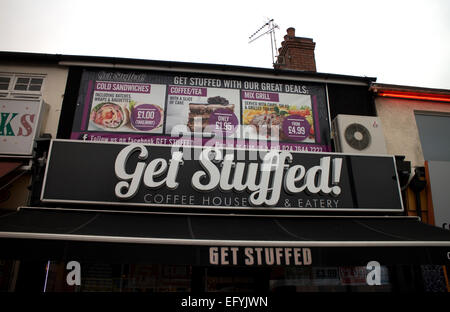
[(19, 123), (260, 256), (145, 176), (153, 107)]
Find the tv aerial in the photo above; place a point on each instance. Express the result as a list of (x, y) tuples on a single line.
[(268, 28)]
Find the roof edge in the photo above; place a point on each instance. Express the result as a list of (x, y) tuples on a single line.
[(379, 87), (55, 59)]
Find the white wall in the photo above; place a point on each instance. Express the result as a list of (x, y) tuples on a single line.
[(53, 94), (400, 128), (52, 91)]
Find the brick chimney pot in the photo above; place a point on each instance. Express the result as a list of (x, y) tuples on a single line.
[(296, 53)]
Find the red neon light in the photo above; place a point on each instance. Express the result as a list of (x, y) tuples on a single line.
[(415, 96)]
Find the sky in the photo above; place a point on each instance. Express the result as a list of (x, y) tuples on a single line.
[(404, 42)]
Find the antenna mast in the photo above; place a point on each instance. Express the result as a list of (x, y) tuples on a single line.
[(271, 31)]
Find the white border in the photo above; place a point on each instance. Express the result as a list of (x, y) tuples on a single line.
[(46, 200), (208, 242), (290, 216)]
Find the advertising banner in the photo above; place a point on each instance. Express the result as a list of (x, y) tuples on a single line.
[(201, 109), (19, 124), (148, 176)]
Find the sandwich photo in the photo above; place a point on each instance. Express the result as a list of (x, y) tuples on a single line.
[(109, 116)]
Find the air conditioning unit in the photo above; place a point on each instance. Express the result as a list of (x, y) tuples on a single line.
[(358, 134)]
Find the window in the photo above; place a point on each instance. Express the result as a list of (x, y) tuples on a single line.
[(21, 85), (433, 132), (4, 82), (28, 84), (434, 128)]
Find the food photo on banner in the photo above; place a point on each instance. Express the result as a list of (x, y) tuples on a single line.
[(182, 108)]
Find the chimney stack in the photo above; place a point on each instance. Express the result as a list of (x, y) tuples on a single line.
[(296, 53)]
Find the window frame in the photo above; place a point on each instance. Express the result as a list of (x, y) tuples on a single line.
[(12, 93), (10, 77)]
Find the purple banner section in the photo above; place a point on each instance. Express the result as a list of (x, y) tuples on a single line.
[(260, 96), (190, 91), (223, 121), (86, 105), (316, 119), (197, 141), (296, 127), (145, 117), (122, 87)]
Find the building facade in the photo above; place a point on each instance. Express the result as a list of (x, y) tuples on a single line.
[(142, 179), (415, 120)]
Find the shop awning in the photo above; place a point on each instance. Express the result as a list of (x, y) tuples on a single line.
[(107, 236)]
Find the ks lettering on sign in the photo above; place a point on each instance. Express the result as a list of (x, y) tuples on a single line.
[(25, 129)]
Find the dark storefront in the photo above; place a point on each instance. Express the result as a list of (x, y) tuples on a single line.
[(139, 194), (159, 253)]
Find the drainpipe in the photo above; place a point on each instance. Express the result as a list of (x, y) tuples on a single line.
[(417, 185)]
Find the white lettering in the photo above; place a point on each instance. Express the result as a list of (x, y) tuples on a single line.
[(288, 254), (307, 259), (249, 254), (258, 256), (270, 259), (264, 181), (278, 254), (234, 251), (293, 176), (297, 256), (194, 302), (374, 274), (213, 255), (175, 163), (135, 177), (211, 171), (74, 276), (155, 169)]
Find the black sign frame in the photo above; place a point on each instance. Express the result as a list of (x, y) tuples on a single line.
[(65, 182)]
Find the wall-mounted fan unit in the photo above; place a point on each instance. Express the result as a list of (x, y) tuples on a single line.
[(358, 134)]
